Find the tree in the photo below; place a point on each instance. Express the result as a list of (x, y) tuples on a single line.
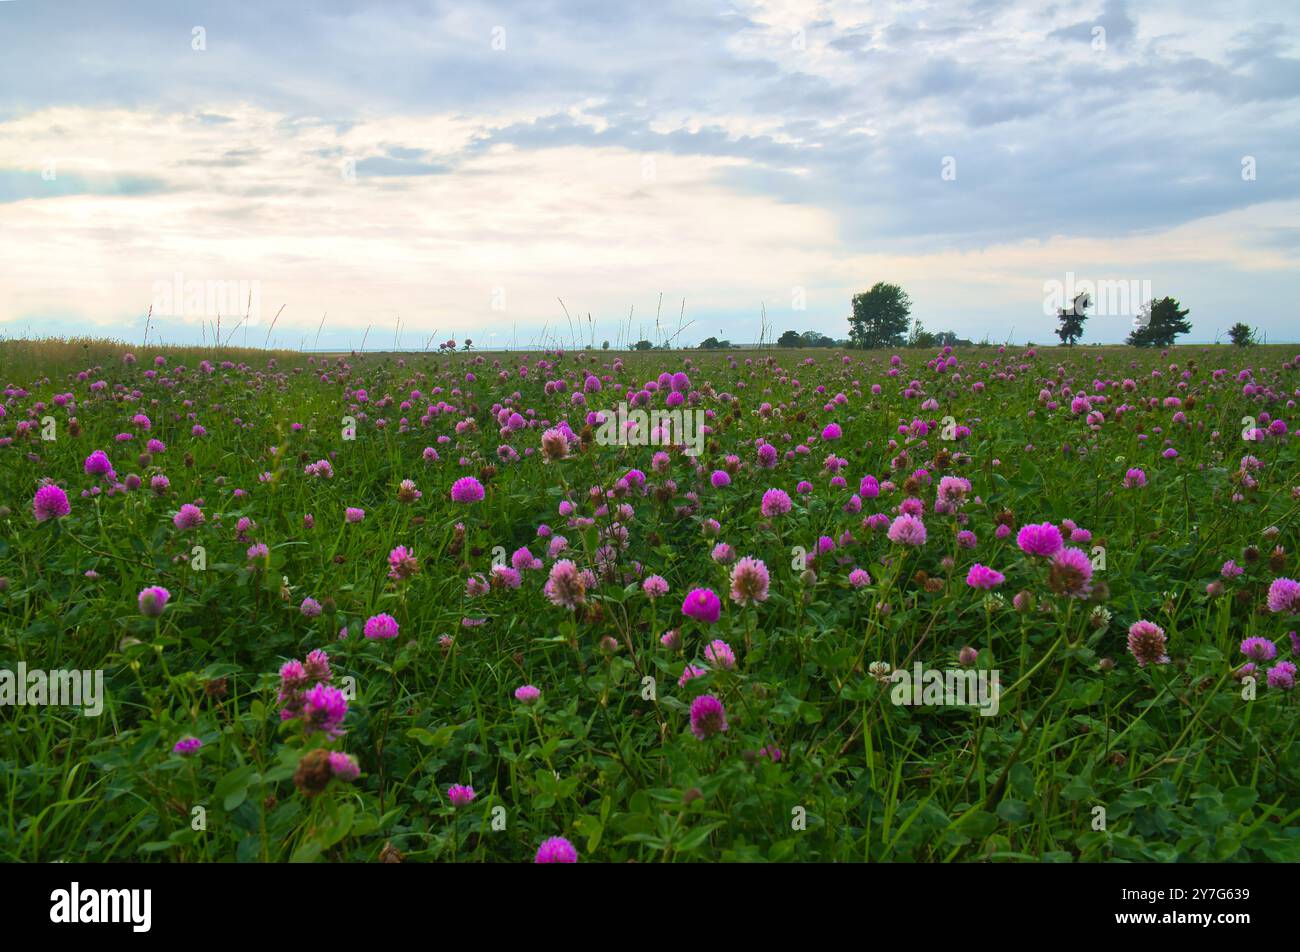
[(1159, 323), (712, 343), (1071, 319), (644, 345), (604, 345), (789, 339), (920, 337), (950, 339), (880, 316), (816, 339), (1241, 335)]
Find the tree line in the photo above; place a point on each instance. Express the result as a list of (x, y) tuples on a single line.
[(882, 318)]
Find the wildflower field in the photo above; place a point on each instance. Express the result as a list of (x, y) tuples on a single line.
[(475, 607)]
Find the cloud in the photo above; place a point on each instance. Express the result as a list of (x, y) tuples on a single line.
[(377, 158), (1115, 24), (386, 166), (18, 185)]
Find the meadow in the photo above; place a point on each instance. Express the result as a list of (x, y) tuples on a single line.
[(427, 607)]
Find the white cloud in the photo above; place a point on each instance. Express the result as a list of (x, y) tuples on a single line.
[(611, 152)]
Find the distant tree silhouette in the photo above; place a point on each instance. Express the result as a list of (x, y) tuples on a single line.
[(950, 339), (1071, 320), (920, 337), (880, 316), (1159, 323), (1241, 335), (816, 339)]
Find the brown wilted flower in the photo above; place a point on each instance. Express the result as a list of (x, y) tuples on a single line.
[(313, 773), (1070, 574), (555, 445)]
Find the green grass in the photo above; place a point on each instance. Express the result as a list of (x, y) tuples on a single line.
[(1184, 766)]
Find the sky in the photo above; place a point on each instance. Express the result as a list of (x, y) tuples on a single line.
[(528, 173)]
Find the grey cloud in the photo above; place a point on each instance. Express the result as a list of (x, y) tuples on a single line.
[(1047, 141), (385, 166), (231, 158), (1114, 19)]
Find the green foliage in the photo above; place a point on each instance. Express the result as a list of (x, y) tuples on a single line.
[(1160, 321), (1241, 335), (1071, 320), (1183, 765), (920, 337), (805, 339), (880, 317)]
